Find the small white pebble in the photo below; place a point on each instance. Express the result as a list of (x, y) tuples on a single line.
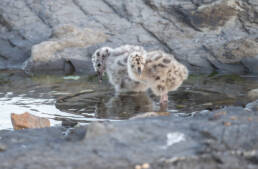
[(2, 147), (137, 167), (145, 165)]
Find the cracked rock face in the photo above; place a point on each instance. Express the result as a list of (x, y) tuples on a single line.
[(206, 35)]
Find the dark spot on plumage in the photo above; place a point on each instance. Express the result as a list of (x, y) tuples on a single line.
[(160, 87), (137, 83), (97, 53), (166, 61), (148, 61), (157, 58), (157, 78), (161, 65), (154, 68), (132, 66)]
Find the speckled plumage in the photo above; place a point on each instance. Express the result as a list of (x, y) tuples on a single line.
[(114, 62), (160, 71)]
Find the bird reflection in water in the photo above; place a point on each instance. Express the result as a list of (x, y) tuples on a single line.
[(125, 105)]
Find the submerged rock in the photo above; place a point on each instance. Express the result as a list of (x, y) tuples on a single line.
[(27, 120)]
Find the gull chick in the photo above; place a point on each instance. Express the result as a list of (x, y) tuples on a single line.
[(159, 70), (114, 63)]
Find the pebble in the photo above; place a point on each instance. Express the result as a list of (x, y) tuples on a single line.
[(233, 118), (2, 147), (146, 165), (227, 124), (250, 119), (138, 167), (143, 166), (219, 115), (27, 120)]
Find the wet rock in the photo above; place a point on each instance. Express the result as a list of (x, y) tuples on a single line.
[(55, 54), (69, 123), (27, 120), (253, 94)]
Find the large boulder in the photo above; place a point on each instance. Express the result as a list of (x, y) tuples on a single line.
[(64, 49), (205, 35)]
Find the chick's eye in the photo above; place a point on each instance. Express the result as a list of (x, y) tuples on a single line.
[(99, 65)]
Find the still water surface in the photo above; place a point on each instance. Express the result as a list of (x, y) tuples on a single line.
[(80, 99)]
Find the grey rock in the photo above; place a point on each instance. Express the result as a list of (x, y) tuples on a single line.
[(56, 53), (162, 142), (203, 34)]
